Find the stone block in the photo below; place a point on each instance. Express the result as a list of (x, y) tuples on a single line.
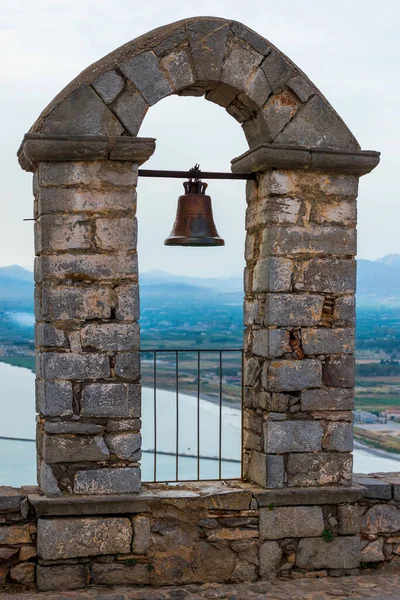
[(47, 482), (72, 427), (279, 110), (338, 437), (82, 113), (327, 399), (10, 499), (270, 558), (315, 239), (328, 341), (275, 210), (24, 573), (128, 307), (54, 398), (70, 449), (62, 232), (285, 310), (291, 521), (67, 303), (277, 69), (207, 43), (49, 336), (381, 518), (240, 61), (75, 366), (329, 275), (108, 481), (79, 537), (127, 366), (292, 436), (110, 336), (341, 553), (291, 375), (257, 88), (251, 312), (131, 108), (251, 37), (349, 519), (251, 372), (60, 577), (222, 94), (317, 125), (87, 267), (27, 552), (339, 371), (319, 469), (97, 175), (116, 234), (120, 574), (279, 342), (335, 212), (301, 87), (373, 552), (273, 275), (145, 72), (71, 200), (266, 470), (113, 400), (126, 446), (15, 534), (169, 43), (141, 534), (261, 342), (344, 312), (108, 85), (178, 67), (123, 425)]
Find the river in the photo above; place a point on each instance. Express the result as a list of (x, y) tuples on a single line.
[(18, 464)]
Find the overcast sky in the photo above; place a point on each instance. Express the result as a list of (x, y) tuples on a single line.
[(349, 48)]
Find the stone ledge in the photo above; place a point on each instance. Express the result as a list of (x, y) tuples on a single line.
[(36, 148), (267, 156), (299, 496)]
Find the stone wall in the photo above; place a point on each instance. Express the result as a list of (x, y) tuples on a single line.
[(198, 533)]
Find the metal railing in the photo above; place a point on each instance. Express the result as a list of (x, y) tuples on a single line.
[(196, 398)]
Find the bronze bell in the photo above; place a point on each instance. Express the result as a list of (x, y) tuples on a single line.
[(194, 223)]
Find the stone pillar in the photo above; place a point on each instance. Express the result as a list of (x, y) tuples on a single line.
[(87, 310), (300, 315)]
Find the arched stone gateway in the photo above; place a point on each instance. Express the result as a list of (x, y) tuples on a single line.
[(300, 248)]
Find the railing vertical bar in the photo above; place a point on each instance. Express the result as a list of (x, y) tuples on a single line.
[(220, 416), (155, 412), (198, 415), (177, 416), (242, 417)]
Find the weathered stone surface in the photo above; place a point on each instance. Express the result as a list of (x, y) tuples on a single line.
[(291, 375), (335, 212), (381, 518), (349, 519), (70, 449), (273, 275), (338, 437), (23, 573), (317, 125), (123, 425), (54, 398), (60, 577), (47, 482), (88, 536), (339, 371), (240, 61), (276, 210), (62, 232), (279, 110), (114, 400), (257, 88), (374, 488), (282, 182), (144, 71), (291, 521), (71, 200), (125, 445), (327, 399), (277, 69), (271, 343), (86, 267), (177, 65), (315, 239), (108, 481), (328, 341), (344, 312), (373, 552), (292, 436), (72, 427), (10, 499), (110, 336), (337, 276), (251, 371), (267, 470), (251, 37), (222, 94), (96, 174), (141, 534), (301, 87), (127, 365), (6, 553), (207, 43), (108, 85), (128, 302), (27, 552), (285, 310), (63, 303), (117, 574), (15, 534), (116, 234), (47, 335), (82, 113), (319, 469), (75, 366), (341, 553), (270, 559)]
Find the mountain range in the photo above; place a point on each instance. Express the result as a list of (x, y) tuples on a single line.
[(378, 285)]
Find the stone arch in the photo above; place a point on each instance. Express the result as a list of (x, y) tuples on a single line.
[(224, 61)]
